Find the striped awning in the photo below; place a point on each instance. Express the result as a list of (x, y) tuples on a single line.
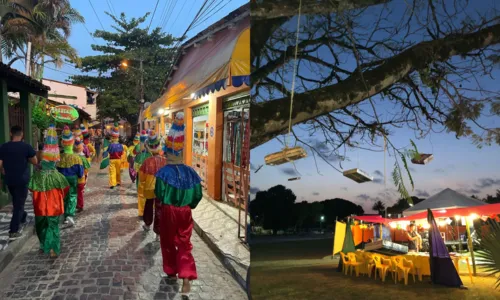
[(211, 66)]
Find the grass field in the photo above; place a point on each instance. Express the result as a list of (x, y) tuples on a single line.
[(301, 270)]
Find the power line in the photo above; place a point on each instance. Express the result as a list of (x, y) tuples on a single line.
[(153, 16), (171, 7), (180, 11), (95, 12), (208, 17), (91, 35), (111, 7)]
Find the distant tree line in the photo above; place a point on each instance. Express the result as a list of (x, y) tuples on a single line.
[(276, 209)]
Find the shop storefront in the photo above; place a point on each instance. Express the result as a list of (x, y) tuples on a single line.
[(236, 150), (210, 84)]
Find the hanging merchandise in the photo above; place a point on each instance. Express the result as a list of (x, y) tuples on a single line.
[(175, 139), (200, 142)]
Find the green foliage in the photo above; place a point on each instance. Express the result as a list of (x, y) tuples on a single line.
[(119, 87), (490, 253), (397, 174), (40, 118)]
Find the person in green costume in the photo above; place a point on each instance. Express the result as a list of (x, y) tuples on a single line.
[(48, 187), (142, 155), (71, 167), (82, 182)]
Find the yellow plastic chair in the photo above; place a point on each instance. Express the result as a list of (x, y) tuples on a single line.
[(370, 265), (354, 263), (395, 261), (346, 264), (405, 266), (381, 264)]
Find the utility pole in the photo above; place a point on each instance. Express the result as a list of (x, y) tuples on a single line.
[(28, 59), (142, 95)]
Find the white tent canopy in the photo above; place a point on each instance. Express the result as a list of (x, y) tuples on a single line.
[(446, 199)]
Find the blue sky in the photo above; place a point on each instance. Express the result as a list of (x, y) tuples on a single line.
[(175, 22), (458, 164)]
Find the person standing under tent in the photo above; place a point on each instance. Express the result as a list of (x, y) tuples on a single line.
[(142, 155), (14, 158), (71, 167), (87, 143), (133, 150), (178, 188), (115, 151), (49, 188), (414, 239), (82, 182), (147, 177)]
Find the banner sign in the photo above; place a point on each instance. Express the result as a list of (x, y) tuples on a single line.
[(64, 113)]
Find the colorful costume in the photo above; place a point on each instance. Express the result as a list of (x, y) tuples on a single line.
[(178, 188), (105, 155), (175, 139), (147, 177), (71, 167), (77, 134), (139, 159), (125, 156), (132, 152), (115, 151), (78, 149), (86, 142), (49, 188)]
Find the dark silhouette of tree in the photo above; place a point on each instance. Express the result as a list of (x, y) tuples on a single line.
[(273, 209), (379, 206), (493, 199), (401, 205)]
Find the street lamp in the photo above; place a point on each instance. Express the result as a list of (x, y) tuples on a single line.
[(321, 220), (141, 70)]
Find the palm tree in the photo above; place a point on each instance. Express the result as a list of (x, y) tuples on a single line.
[(47, 28), (379, 206)]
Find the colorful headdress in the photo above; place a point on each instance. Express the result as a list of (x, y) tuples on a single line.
[(153, 142), (50, 148), (144, 136), (85, 132), (67, 139), (78, 147), (175, 139), (137, 138), (115, 133), (77, 133)]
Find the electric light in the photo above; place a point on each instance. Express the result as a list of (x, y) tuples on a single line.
[(322, 218), (161, 111), (448, 221), (426, 226), (473, 216), (124, 64), (443, 211), (393, 225), (165, 113), (442, 223), (193, 95), (457, 218), (463, 221)]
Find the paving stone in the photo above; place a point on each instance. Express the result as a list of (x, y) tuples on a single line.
[(108, 256)]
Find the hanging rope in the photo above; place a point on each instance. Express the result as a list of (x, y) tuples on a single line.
[(385, 167), (295, 67)]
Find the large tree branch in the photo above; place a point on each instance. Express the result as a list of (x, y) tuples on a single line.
[(271, 9), (270, 119)]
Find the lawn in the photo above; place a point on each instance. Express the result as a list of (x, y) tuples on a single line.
[(302, 270)]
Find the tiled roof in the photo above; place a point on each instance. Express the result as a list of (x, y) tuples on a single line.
[(16, 79)]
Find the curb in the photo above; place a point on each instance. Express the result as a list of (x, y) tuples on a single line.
[(226, 262), (13, 248)]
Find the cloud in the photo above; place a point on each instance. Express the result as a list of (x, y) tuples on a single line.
[(472, 191), (378, 173), (324, 150), (363, 197), (440, 170), (254, 190), (378, 181), (315, 193), (344, 188), (487, 183), (288, 171), (421, 193)]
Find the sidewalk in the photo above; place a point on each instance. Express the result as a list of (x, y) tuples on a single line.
[(217, 224), (9, 249)]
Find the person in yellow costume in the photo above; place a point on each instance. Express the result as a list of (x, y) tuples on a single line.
[(115, 151), (147, 177), (124, 155), (141, 154), (87, 143)]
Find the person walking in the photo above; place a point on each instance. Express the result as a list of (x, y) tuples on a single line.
[(141, 156), (49, 187), (115, 159), (178, 189), (97, 146), (14, 159)]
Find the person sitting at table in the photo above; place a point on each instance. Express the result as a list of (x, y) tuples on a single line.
[(415, 240)]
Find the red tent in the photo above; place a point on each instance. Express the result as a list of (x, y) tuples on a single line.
[(372, 219), (488, 210)]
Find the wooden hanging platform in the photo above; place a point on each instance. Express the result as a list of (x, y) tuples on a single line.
[(423, 159), (284, 156), (358, 175)]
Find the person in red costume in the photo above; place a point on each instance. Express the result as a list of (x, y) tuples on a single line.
[(178, 189)]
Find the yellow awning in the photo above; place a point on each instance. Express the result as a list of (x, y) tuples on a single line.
[(207, 68)]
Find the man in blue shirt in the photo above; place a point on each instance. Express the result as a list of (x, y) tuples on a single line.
[(14, 158)]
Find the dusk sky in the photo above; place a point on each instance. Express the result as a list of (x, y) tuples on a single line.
[(176, 22), (457, 164)]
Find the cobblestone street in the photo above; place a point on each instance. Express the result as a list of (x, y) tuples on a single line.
[(107, 255)]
